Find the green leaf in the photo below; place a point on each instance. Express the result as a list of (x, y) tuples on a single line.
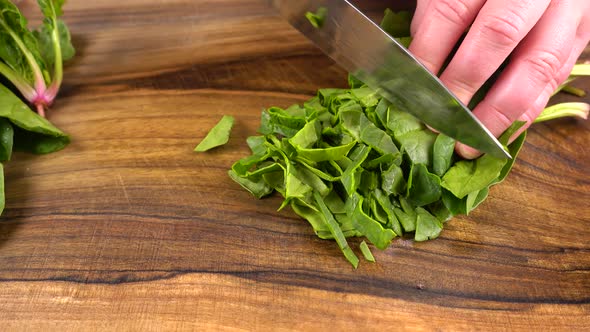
[(336, 231), (423, 187), (6, 139), (351, 177), (307, 136), (401, 123), (371, 228), (295, 187), (327, 154), (45, 40), (310, 179), (474, 199), (366, 96), (440, 211), (218, 135), (444, 148), (367, 252), (514, 149), (466, 177), (19, 48), (54, 36), (428, 227), (32, 133), (362, 129), (354, 82), (418, 145), (406, 215), (281, 122), (376, 138), (318, 18), (257, 145), (456, 206), (580, 110), (2, 195), (397, 24), (581, 69), (51, 8), (388, 207), (255, 185), (392, 181), (314, 217)]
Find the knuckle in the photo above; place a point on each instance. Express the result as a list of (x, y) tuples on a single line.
[(502, 116), (527, 117), (545, 66), (462, 85), (455, 11), (503, 30)]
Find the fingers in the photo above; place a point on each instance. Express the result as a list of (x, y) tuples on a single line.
[(534, 65), (419, 15), (498, 119), (438, 27), (499, 27), (533, 112)]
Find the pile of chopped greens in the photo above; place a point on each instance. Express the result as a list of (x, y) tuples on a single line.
[(353, 165), (31, 65)]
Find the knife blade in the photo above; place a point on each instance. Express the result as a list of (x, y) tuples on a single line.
[(360, 46)]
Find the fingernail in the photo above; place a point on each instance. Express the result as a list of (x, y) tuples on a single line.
[(467, 152), (432, 129)]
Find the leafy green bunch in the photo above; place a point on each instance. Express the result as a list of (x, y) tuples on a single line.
[(31, 63), (353, 165), (33, 60)]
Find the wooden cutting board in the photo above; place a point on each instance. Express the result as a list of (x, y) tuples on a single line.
[(128, 229)]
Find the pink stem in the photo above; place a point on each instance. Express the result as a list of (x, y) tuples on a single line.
[(41, 110)]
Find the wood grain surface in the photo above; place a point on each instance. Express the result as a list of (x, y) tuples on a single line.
[(128, 229)]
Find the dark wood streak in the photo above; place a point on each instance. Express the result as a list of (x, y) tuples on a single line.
[(129, 229)]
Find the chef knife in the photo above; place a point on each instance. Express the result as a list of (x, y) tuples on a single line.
[(360, 46)]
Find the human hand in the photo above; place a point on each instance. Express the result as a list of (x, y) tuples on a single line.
[(543, 39)]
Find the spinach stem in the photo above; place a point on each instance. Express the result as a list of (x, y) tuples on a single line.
[(40, 86), (27, 91)]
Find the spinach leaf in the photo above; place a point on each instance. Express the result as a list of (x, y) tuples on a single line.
[(367, 252), (444, 148), (218, 135), (318, 18), (278, 121), (406, 215), (401, 123), (418, 145), (255, 185), (32, 133), (33, 60), (2, 195), (336, 231), (385, 203), (397, 24), (474, 199), (392, 180), (466, 176), (371, 228), (423, 187), (428, 227), (6, 139)]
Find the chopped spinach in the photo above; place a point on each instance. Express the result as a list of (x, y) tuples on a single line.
[(353, 165), (218, 135), (318, 18)]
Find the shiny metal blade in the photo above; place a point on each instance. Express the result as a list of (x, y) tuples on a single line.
[(360, 46)]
